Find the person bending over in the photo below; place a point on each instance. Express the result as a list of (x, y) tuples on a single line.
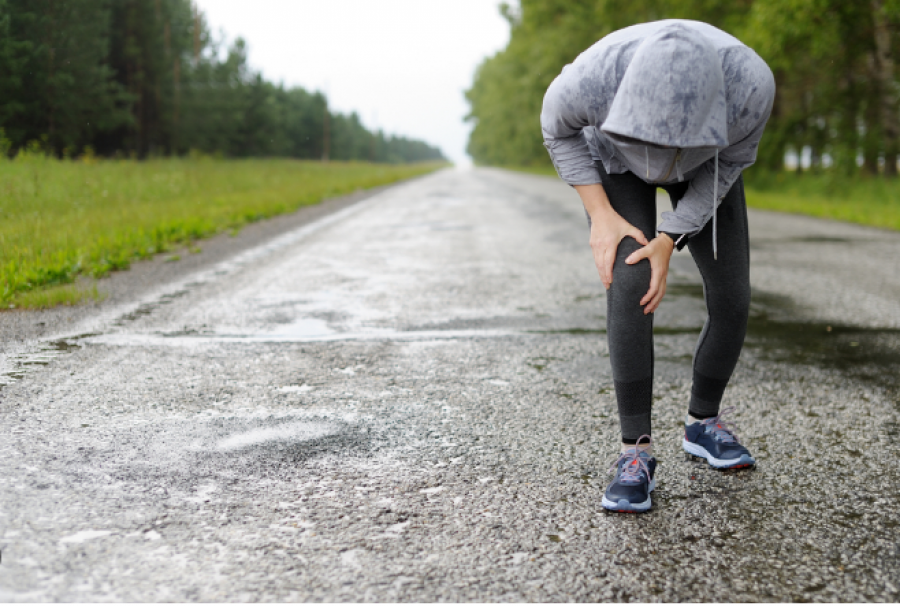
[(679, 105)]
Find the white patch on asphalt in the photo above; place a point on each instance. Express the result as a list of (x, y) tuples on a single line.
[(305, 328), (85, 535), (349, 558), (296, 388), (290, 432)]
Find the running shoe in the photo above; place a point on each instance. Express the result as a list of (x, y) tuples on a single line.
[(631, 487), (714, 440)]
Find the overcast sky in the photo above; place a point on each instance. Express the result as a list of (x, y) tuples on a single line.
[(402, 65)]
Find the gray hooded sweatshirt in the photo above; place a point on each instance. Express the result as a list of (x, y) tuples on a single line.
[(669, 101)]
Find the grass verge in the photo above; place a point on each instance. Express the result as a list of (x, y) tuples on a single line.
[(61, 294), (865, 200), (64, 219)]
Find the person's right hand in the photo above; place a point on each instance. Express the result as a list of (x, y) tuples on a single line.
[(608, 228)]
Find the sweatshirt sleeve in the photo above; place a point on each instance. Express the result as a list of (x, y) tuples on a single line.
[(562, 124), (696, 208), (702, 198)]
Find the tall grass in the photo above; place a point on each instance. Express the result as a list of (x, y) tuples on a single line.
[(62, 219)]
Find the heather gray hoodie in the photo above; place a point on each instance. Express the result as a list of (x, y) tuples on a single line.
[(669, 101)]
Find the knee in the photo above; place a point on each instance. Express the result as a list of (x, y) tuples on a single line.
[(630, 282), (730, 301)]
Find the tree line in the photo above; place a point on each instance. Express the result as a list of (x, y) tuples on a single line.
[(833, 61), (145, 78)]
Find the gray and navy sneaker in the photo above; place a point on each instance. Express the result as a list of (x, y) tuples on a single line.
[(630, 489), (713, 439)]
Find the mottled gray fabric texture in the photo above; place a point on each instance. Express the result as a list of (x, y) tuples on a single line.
[(659, 100)]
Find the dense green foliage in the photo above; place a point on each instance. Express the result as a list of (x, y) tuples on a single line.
[(145, 78), (61, 219), (833, 62)]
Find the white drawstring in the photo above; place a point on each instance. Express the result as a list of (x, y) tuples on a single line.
[(715, 214)]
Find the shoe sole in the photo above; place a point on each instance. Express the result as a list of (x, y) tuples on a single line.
[(698, 451), (624, 506)]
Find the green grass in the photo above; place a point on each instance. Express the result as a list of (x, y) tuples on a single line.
[(865, 200), (51, 296), (62, 219)]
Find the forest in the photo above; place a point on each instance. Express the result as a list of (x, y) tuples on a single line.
[(833, 60), (146, 78)]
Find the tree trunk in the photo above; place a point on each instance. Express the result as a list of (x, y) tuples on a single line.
[(51, 93), (887, 96), (871, 139)]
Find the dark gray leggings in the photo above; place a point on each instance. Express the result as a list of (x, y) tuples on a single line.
[(726, 289)]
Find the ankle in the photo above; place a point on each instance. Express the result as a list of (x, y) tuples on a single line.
[(692, 418), (648, 448)]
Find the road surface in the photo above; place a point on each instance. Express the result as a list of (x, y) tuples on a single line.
[(410, 399)]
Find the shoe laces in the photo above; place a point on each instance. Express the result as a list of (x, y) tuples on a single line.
[(722, 431), (635, 463)]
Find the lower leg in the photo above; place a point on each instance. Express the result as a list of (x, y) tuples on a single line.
[(726, 289)]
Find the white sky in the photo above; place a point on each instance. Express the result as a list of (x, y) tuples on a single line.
[(402, 65)]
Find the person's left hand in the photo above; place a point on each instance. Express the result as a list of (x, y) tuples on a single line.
[(658, 252)]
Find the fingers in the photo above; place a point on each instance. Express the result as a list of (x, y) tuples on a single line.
[(654, 288), (658, 272), (657, 290), (609, 260), (638, 255), (653, 305), (638, 235), (600, 262)]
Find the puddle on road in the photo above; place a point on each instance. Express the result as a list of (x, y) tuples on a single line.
[(43, 355), (869, 354)]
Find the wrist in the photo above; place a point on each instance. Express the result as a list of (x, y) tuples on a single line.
[(602, 214), (670, 243), (680, 240)]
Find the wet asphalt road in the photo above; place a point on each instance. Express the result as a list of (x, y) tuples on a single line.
[(410, 399)]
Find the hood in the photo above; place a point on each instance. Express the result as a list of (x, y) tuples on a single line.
[(656, 164), (672, 93)]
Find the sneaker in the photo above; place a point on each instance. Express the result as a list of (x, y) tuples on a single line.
[(713, 439), (630, 489)]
